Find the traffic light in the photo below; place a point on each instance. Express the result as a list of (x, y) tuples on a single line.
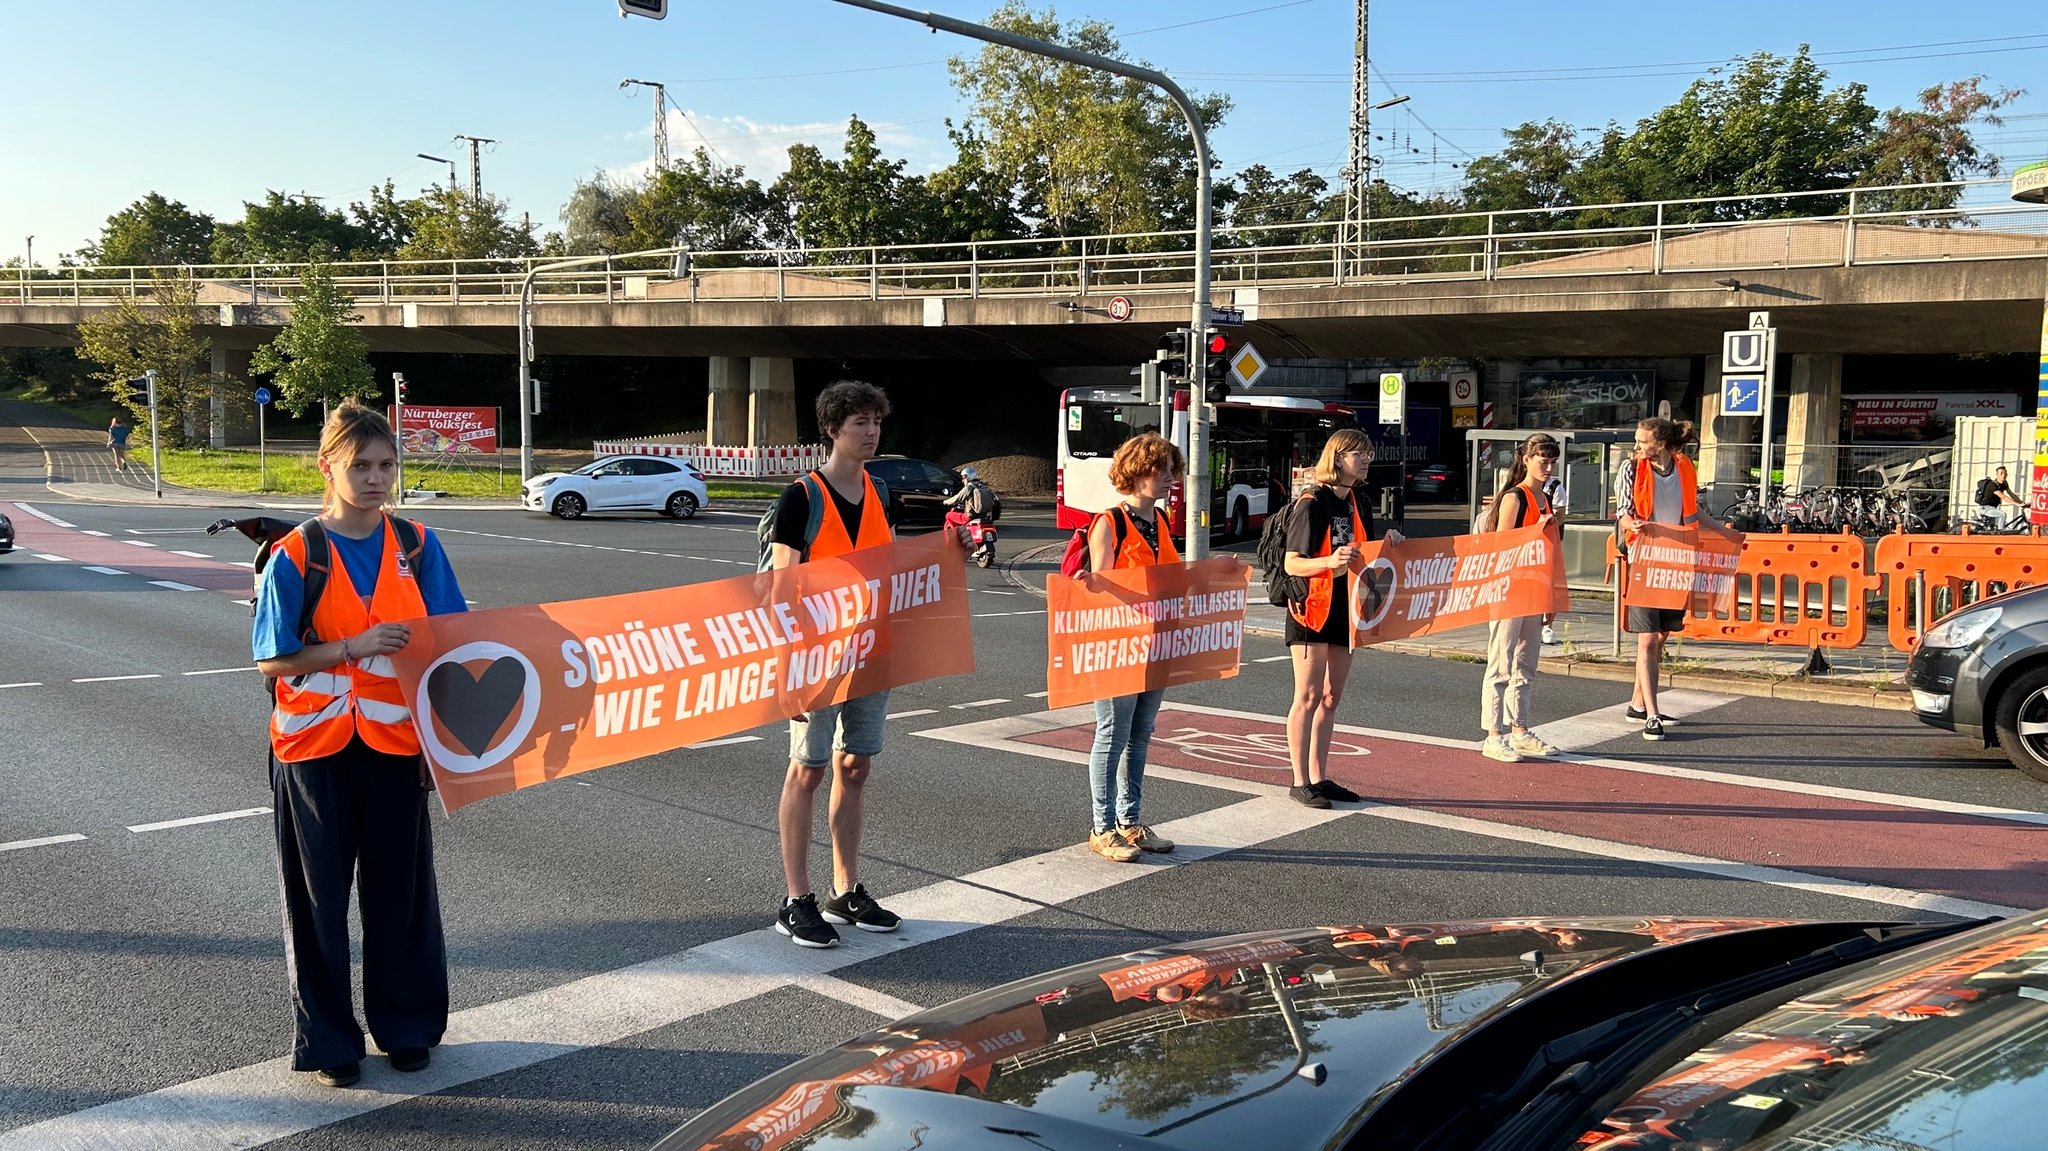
[(1216, 369), (398, 385), (652, 9), (540, 396), (1172, 356)]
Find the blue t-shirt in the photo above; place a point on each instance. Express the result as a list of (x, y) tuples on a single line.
[(118, 435), (282, 589)]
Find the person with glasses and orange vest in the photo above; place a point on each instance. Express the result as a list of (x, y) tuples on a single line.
[(349, 785), (1513, 646), (1324, 535), (1658, 486), (849, 514), (1135, 532)]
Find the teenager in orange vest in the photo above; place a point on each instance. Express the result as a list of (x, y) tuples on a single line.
[(850, 415), (1322, 539), (1658, 486), (1132, 533), (1514, 645), (345, 769)]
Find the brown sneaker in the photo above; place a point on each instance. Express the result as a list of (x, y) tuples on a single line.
[(1112, 845), (1145, 839)]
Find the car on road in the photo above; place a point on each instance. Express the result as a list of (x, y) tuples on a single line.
[(623, 483), (1435, 480), (6, 534), (1982, 671), (1489, 1035), (918, 490)]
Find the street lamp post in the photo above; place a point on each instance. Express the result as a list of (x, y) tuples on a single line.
[(441, 160), (1198, 413)]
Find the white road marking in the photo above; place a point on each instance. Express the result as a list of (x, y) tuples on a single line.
[(24, 683), (90, 532), (726, 742), (909, 714), (117, 678), (51, 558), (198, 819), (1272, 658), (977, 703), (866, 998), (175, 585), (46, 841), (217, 671), (265, 1102), (46, 517), (193, 555), (1602, 724), (1038, 695), (104, 571), (992, 591), (139, 543), (250, 564)]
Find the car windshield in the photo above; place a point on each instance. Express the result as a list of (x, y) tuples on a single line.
[(595, 466), (1916, 1053)]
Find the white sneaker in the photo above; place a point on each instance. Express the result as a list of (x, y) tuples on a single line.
[(1496, 747), (1549, 636), (1529, 745)]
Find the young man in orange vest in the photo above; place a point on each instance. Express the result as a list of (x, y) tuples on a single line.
[(852, 517), (1659, 486)]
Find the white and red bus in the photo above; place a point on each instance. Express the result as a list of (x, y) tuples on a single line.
[(1255, 445)]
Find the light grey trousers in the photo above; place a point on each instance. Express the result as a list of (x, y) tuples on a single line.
[(1512, 649)]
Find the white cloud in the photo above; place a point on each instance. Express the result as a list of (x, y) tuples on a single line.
[(763, 149)]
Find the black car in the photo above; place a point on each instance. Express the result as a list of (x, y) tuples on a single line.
[(6, 534), (1982, 671), (1492, 1035), (918, 490)]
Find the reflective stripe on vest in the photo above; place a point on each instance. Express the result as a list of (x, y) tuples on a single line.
[(316, 714), (833, 538), (1135, 552), (1315, 611)]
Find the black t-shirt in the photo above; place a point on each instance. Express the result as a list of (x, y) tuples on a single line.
[(793, 513), (1327, 511), (1988, 491)]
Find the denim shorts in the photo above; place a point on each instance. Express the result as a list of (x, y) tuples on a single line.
[(859, 730)]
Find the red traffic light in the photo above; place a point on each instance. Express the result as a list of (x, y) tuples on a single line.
[(1218, 343)]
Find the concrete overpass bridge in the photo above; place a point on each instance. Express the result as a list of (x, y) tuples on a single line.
[(1851, 277)]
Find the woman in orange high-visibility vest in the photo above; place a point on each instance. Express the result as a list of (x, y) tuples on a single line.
[(1134, 532), (349, 786), (1658, 486), (1514, 645), (1323, 537)]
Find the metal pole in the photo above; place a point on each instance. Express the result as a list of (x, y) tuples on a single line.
[(1198, 416), (1769, 401), (156, 455), (398, 414), (262, 452)]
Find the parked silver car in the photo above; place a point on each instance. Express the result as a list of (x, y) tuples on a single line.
[(1982, 672)]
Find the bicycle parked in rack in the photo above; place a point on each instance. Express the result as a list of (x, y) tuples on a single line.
[(1833, 510)]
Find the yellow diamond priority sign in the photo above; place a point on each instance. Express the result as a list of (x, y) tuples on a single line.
[(1247, 365)]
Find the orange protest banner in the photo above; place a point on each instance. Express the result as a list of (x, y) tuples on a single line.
[(512, 697), (1420, 587), (1685, 568), (1137, 629)]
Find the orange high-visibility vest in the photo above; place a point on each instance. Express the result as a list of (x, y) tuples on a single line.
[(1315, 611), (1534, 504), (316, 714), (1134, 552), (833, 538), (1644, 490)]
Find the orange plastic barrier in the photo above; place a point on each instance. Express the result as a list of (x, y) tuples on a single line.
[(1806, 591), (1927, 577)]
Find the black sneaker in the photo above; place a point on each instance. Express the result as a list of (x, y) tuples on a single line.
[(1309, 796), (341, 1074), (1639, 714), (1335, 792), (1653, 728), (799, 920), (408, 1058), (856, 909)]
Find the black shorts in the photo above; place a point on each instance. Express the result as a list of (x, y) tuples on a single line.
[(1336, 630), (1647, 619)]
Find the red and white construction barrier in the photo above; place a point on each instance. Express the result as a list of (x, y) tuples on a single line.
[(785, 460)]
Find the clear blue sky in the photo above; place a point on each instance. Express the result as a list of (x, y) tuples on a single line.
[(212, 103)]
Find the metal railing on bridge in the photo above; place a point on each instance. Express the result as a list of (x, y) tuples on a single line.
[(1844, 228)]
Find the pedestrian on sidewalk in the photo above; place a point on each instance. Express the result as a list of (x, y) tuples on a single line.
[(117, 442), (1324, 534), (844, 737), (1514, 645), (349, 787), (1658, 486), (1135, 532)]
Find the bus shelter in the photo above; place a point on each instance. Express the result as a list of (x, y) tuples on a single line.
[(1588, 460)]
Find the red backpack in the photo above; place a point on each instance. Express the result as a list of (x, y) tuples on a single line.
[(1074, 560)]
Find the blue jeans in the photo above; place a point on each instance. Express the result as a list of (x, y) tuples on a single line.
[(1123, 735)]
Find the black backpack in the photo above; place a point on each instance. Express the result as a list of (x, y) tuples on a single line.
[(1281, 588), (1985, 498), (269, 532)]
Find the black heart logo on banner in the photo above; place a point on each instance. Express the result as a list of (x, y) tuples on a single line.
[(472, 708)]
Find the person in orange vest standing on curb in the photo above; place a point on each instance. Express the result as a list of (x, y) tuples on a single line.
[(1323, 537), (1658, 486), (349, 785), (1135, 532), (1514, 645)]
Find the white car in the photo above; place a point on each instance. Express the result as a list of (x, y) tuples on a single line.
[(619, 484)]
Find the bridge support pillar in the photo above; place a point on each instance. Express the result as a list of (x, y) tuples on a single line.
[(231, 402), (1813, 424), (725, 423), (771, 401), (1727, 447)]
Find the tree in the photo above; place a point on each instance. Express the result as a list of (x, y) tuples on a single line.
[(710, 208), (967, 199), (1257, 199), (860, 201), (1537, 169), (1933, 144), (153, 230), (163, 333), (1087, 151), (318, 358), (447, 224), (384, 223), (288, 230), (597, 219)]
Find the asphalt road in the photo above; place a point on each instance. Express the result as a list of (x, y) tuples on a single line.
[(611, 968)]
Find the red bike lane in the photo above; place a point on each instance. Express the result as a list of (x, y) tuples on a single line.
[(33, 534), (1967, 856)]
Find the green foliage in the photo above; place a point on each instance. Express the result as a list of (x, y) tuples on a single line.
[(385, 223), (288, 230), (160, 331), (152, 230), (318, 358), (864, 199), (595, 219), (709, 207), (1258, 198), (446, 224), (1933, 144)]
